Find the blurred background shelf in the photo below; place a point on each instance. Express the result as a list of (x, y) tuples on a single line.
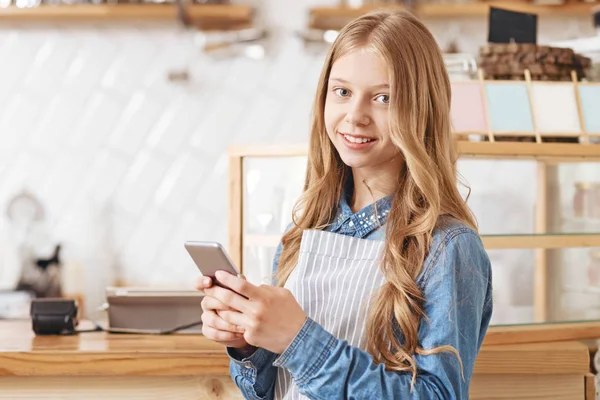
[(336, 17), (482, 8), (212, 14)]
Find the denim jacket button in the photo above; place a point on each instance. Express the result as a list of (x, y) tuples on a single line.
[(248, 365)]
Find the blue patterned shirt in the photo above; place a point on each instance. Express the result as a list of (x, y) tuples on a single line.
[(455, 281)]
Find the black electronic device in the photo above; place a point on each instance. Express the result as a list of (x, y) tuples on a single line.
[(53, 316)]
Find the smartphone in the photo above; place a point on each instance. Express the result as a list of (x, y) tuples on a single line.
[(210, 257)]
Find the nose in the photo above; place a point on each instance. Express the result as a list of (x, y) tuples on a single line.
[(357, 115)]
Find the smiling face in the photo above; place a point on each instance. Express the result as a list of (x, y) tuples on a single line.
[(357, 109)]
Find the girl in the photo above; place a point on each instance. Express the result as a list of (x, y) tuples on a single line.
[(382, 287)]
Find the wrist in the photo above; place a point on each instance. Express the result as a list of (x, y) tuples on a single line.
[(244, 351)]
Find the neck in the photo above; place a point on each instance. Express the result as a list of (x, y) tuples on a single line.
[(374, 183)]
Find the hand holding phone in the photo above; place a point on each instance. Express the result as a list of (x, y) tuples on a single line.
[(210, 257)]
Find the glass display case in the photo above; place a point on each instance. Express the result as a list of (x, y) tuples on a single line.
[(535, 203)]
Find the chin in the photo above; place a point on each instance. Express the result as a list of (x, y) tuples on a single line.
[(354, 160)]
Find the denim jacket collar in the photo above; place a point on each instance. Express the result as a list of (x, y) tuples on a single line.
[(365, 220)]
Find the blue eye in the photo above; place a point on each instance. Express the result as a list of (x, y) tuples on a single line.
[(342, 92), (383, 98)]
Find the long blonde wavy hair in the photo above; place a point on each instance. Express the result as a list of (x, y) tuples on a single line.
[(420, 127)]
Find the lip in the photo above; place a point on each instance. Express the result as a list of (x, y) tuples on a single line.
[(357, 146)]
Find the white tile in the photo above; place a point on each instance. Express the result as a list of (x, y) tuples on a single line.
[(246, 75), (87, 67), (287, 72), (51, 60), (96, 122), (20, 50), (146, 243), (106, 173), (212, 194), (178, 185), (63, 179), (17, 121), (220, 123), (174, 258), (140, 183), (27, 172), (176, 124), (127, 69), (123, 224), (263, 115), (295, 121), (175, 51), (140, 113), (56, 122)]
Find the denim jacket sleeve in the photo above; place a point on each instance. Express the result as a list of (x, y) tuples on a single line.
[(456, 283), (255, 375)]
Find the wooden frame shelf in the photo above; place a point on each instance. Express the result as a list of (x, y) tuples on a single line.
[(216, 15), (540, 241), (335, 17), (535, 241), (551, 152)]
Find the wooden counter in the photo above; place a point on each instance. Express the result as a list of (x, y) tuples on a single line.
[(153, 366)]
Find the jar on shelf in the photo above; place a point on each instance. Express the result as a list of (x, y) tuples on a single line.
[(595, 203), (582, 199), (594, 268)]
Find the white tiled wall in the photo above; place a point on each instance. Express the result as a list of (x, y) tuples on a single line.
[(129, 165)]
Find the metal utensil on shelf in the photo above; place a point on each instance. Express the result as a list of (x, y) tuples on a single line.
[(460, 65)]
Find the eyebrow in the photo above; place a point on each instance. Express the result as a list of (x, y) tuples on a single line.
[(380, 86)]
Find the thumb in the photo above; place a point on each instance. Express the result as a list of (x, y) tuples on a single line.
[(203, 282)]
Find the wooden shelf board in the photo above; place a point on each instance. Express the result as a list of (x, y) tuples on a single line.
[(333, 17), (564, 357), (502, 150), (544, 332), (544, 151), (547, 241), (209, 13), (542, 241)]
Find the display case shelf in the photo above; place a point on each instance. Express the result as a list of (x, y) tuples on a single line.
[(535, 241), (551, 152), (541, 241)]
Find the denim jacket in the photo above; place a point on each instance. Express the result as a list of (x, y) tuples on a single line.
[(457, 285)]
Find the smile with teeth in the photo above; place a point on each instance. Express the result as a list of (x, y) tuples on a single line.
[(353, 139)]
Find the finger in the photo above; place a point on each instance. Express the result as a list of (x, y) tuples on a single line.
[(235, 318), (237, 284), (220, 336), (210, 303), (213, 320), (229, 298), (203, 282)]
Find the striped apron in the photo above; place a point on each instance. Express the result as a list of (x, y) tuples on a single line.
[(334, 281)]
